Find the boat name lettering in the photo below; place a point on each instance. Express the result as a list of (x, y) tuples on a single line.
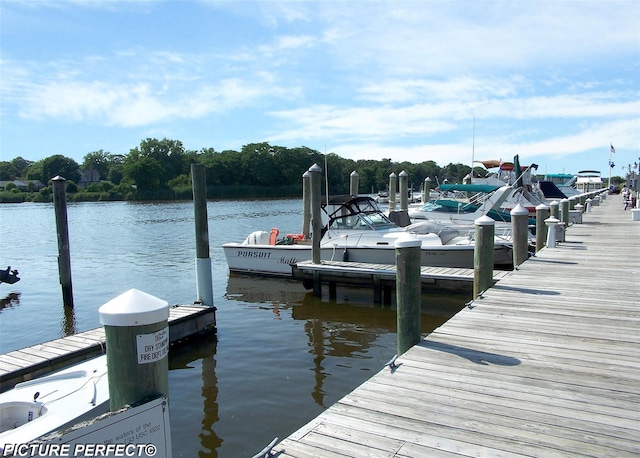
[(253, 254), (289, 261)]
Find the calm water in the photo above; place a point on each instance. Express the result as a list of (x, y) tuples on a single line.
[(281, 356)]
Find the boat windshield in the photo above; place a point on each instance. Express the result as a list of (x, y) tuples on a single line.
[(360, 213), (369, 221)]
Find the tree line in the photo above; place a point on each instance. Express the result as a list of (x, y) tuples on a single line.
[(161, 170)]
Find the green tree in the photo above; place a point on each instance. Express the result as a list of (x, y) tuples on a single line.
[(53, 166), (7, 171), (146, 172), (98, 160)]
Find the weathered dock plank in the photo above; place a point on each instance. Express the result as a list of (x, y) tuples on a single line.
[(544, 364), (27, 363)]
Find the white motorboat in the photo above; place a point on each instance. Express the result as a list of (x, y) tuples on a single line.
[(354, 229), (40, 406), (464, 203)]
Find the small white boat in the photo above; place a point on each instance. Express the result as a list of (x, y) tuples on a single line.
[(40, 406), (356, 230)]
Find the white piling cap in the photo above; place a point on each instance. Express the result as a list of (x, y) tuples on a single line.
[(485, 220), (354, 174), (542, 207), (407, 241), (134, 308), (519, 210), (551, 221), (315, 168), (404, 174)]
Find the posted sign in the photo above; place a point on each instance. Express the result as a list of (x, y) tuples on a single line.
[(152, 347)]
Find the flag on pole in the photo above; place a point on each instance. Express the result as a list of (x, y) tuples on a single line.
[(613, 150)]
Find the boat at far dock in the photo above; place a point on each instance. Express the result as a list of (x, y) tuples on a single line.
[(356, 230)]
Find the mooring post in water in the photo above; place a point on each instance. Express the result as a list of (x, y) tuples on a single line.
[(551, 223), (483, 255), (520, 234), (316, 223), (393, 185), (426, 190), (407, 292), (404, 190), (542, 213), (204, 280), (62, 229), (306, 204), (137, 334), (354, 179)]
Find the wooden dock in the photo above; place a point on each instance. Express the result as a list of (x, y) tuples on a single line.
[(546, 363), (382, 277), (185, 321)]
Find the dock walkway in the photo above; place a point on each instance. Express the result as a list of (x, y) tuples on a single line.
[(546, 363), (27, 363)]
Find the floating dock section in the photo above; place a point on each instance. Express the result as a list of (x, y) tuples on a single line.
[(545, 363), (185, 321)]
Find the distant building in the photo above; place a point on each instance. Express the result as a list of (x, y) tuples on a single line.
[(88, 177), (23, 185)]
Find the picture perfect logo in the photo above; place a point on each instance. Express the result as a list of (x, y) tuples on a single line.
[(85, 450)]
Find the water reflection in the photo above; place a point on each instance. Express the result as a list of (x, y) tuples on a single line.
[(183, 357), (11, 300), (338, 330)]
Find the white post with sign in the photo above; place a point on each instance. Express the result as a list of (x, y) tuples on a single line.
[(137, 333)]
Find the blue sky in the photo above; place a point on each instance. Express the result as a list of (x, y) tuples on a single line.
[(555, 82)]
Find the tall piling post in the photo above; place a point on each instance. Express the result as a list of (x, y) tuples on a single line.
[(542, 212), (519, 233), (393, 186), (408, 292), (204, 280), (564, 216), (62, 229), (137, 334), (483, 255), (306, 204), (426, 190), (316, 223), (354, 183), (403, 187)]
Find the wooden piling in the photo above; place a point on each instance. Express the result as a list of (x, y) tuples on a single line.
[(542, 213), (408, 287), (426, 190), (204, 280), (483, 255), (137, 335), (564, 212), (519, 234), (404, 187), (554, 209), (62, 229), (306, 204), (353, 183), (393, 185), (316, 222)]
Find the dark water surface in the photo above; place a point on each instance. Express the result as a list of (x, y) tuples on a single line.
[(281, 355)]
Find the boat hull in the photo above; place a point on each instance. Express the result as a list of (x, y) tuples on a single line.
[(46, 404), (276, 260)]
